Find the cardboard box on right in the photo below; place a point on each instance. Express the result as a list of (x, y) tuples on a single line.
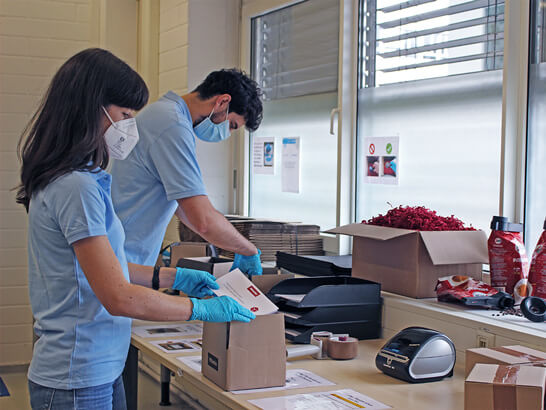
[(408, 262), (501, 387)]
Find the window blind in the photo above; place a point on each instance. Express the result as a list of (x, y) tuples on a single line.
[(419, 39), (295, 49)]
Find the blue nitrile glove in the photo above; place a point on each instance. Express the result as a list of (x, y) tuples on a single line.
[(220, 309), (251, 265), (194, 282)]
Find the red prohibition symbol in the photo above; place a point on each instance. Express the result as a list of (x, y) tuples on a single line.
[(372, 148)]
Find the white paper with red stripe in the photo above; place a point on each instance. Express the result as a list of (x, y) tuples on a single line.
[(240, 288)]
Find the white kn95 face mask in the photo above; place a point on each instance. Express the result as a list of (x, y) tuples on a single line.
[(121, 137)]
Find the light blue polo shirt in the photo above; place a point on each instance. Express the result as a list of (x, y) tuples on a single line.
[(80, 344), (161, 169)]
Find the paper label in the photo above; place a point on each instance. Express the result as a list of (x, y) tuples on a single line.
[(237, 285)]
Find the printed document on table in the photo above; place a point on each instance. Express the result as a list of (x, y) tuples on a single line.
[(178, 345), (194, 362), (339, 399), (237, 285), (295, 379), (168, 330)]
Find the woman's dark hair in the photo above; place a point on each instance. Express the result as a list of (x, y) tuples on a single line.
[(245, 94), (65, 134)]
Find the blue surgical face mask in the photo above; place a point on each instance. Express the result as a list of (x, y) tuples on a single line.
[(208, 131)]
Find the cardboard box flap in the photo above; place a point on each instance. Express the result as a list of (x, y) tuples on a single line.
[(381, 233), (454, 247)]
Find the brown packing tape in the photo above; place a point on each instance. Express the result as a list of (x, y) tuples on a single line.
[(512, 352), (342, 349), (504, 387)]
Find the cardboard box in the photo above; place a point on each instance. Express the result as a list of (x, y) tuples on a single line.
[(500, 387), (185, 250), (410, 262), (214, 265), (239, 355), (507, 355), (265, 282)]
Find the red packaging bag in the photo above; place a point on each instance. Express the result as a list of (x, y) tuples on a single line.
[(537, 272), (508, 261)]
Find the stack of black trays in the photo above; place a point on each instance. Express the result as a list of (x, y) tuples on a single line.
[(339, 304), (312, 265)]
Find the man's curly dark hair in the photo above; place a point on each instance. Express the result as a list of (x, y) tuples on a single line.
[(245, 94)]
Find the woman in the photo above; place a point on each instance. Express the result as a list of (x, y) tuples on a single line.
[(82, 290)]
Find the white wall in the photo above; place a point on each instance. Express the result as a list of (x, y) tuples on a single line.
[(36, 37), (214, 44)]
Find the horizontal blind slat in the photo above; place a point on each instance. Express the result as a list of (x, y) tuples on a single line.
[(459, 8), (443, 45), (449, 27), (453, 60)]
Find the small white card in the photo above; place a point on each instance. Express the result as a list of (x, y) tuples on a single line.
[(237, 285), (178, 345)]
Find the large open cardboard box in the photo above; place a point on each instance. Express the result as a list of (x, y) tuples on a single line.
[(239, 355), (410, 262)]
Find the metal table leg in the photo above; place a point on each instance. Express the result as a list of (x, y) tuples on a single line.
[(165, 386), (130, 378)]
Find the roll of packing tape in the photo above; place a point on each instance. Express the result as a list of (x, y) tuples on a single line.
[(342, 347), (321, 339)]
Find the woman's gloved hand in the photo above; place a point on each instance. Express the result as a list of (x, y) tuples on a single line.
[(194, 282), (220, 309), (251, 265)]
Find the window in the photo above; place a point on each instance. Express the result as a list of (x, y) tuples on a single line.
[(431, 76), (535, 201), (295, 50), (295, 61), (419, 39)]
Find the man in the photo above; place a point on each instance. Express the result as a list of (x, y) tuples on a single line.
[(161, 176)]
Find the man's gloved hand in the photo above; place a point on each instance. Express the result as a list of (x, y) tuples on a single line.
[(220, 309), (194, 282), (251, 265)]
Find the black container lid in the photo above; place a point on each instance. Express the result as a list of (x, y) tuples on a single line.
[(500, 223)]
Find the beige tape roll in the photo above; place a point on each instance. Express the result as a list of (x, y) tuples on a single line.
[(321, 339), (342, 348)]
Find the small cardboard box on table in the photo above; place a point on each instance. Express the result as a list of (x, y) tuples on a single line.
[(239, 355), (506, 355), (505, 387), (408, 262)]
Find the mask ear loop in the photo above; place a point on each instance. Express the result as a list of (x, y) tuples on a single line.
[(108, 115)]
